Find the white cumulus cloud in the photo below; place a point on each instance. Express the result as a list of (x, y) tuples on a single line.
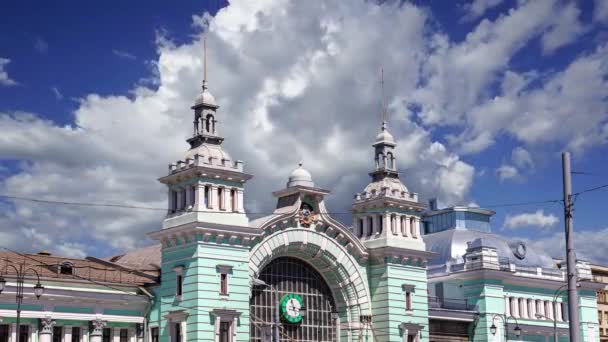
[(4, 78), (536, 219)]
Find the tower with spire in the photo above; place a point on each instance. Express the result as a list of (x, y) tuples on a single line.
[(207, 185), (386, 213), (387, 220)]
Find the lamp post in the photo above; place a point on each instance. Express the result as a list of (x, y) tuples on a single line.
[(559, 291), (260, 282), (21, 272), (505, 320)]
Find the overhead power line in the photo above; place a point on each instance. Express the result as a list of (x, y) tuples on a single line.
[(141, 207)]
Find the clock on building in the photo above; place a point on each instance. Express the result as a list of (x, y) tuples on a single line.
[(291, 308)]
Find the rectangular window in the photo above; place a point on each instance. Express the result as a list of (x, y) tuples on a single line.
[(179, 284), (57, 334), (124, 335), (408, 301), (154, 333), (411, 338), (107, 335), (207, 199), (177, 328), (24, 333), (224, 283), (75, 334), (224, 331), (234, 200), (3, 332)]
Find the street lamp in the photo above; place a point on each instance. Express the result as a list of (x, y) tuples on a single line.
[(21, 272), (260, 282), (505, 319)]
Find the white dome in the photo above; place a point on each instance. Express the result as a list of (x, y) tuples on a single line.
[(205, 97), (301, 177), (385, 137), (393, 187), (207, 151)]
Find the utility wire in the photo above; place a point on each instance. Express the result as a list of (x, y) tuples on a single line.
[(127, 206)]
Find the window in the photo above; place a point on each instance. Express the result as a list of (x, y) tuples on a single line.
[(66, 268), (182, 204), (192, 190), (411, 338), (234, 203), (224, 283), (370, 225), (75, 334), (57, 334), (154, 334), (408, 300), (207, 195), (24, 333), (177, 331), (173, 201), (124, 335), (390, 160), (380, 223), (220, 198), (209, 124), (179, 285), (3, 332), (360, 227), (106, 336), (224, 331)]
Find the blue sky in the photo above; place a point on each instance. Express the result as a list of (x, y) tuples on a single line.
[(483, 95)]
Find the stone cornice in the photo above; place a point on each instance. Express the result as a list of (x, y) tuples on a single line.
[(388, 203), (205, 232), (190, 171)]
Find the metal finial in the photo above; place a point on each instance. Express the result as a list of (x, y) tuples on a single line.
[(300, 163)]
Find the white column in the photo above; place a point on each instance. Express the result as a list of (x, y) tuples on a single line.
[(239, 201), (386, 223), (199, 192), (115, 334), (183, 330), (541, 306), (548, 310), (33, 332), (214, 200), (416, 227), (558, 310), (96, 334), (406, 227), (531, 309), (523, 308), (83, 334), (131, 335), (13, 332), (514, 307), (507, 307), (405, 335), (67, 334)]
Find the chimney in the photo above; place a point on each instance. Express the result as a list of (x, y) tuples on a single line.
[(433, 204)]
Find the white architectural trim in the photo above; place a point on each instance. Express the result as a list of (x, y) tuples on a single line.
[(72, 316)]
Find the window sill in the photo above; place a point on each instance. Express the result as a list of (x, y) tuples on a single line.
[(224, 295), (409, 312)]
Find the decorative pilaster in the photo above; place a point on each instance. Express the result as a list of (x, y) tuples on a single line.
[(96, 330), (46, 329)]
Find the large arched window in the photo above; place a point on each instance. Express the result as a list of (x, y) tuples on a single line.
[(291, 276)]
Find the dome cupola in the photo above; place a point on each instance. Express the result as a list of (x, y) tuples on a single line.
[(300, 177)]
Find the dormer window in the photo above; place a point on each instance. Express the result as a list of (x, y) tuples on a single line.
[(66, 268)]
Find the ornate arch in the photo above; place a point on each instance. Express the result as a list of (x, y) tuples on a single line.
[(345, 277)]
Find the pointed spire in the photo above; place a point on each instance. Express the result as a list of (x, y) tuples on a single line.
[(383, 100), (205, 62)]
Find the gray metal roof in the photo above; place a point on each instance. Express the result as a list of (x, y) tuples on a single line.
[(451, 245)]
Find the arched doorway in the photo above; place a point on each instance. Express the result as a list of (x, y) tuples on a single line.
[(293, 276)]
